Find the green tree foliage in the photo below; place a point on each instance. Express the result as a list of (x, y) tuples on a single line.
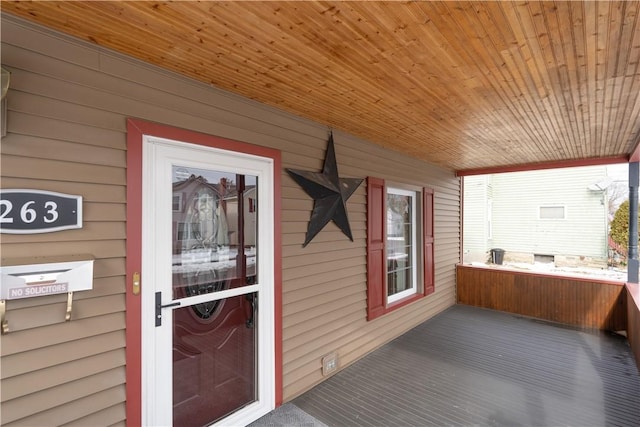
[(619, 231)]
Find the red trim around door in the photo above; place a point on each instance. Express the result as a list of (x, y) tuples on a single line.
[(133, 265), (135, 131)]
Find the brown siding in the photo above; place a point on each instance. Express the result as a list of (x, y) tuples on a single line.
[(579, 302), (633, 319), (68, 106), (336, 316)]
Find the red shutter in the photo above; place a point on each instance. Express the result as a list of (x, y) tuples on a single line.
[(428, 239), (375, 247)]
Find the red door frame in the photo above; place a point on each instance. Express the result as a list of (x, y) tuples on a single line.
[(135, 131)]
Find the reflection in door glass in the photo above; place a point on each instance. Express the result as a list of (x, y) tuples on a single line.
[(214, 224), (214, 233)]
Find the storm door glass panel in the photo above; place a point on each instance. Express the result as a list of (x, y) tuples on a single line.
[(401, 241), (214, 363), (214, 227), (213, 250)]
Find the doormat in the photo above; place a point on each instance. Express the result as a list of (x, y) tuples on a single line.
[(287, 415)]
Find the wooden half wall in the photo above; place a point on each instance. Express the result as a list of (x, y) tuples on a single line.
[(581, 302), (633, 319)]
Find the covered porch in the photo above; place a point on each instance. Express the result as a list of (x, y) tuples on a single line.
[(518, 349), (419, 93), (476, 366)]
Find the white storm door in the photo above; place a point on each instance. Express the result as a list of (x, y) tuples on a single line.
[(208, 285)]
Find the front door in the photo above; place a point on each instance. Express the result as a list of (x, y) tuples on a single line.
[(207, 314)]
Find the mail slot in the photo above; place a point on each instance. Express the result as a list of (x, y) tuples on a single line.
[(32, 280), (46, 278)]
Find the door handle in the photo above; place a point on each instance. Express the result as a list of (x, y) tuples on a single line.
[(159, 307), (252, 298)]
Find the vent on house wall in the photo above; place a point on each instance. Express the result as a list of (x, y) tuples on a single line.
[(329, 363), (546, 259)]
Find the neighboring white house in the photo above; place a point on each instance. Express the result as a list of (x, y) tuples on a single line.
[(555, 215)]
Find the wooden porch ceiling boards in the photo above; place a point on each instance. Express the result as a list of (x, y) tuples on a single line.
[(465, 85)]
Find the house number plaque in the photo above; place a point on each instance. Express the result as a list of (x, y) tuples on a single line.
[(38, 211)]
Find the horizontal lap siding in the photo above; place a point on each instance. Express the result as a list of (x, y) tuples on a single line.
[(517, 199), (476, 233), (327, 312), (56, 372), (68, 107)]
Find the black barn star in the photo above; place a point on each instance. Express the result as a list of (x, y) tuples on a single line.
[(330, 194)]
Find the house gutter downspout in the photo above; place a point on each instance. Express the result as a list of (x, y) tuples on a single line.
[(633, 264)]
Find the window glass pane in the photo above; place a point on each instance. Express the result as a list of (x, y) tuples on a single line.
[(551, 212), (211, 359), (214, 224), (401, 215)]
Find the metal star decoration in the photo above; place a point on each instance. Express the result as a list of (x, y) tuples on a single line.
[(329, 192)]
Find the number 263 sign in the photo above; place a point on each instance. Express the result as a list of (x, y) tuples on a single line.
[(37, 211)]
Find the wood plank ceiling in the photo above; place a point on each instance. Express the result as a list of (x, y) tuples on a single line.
[(465, 85)]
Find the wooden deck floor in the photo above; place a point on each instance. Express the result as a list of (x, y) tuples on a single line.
[(471, 366)]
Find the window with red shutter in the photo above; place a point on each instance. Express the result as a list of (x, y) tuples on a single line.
[(427, 241), (395, 250), (376, 259)]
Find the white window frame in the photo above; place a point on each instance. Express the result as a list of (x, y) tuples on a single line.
[(415, 226)]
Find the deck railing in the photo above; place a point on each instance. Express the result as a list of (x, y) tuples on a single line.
[(576, 301), (581, 302)]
